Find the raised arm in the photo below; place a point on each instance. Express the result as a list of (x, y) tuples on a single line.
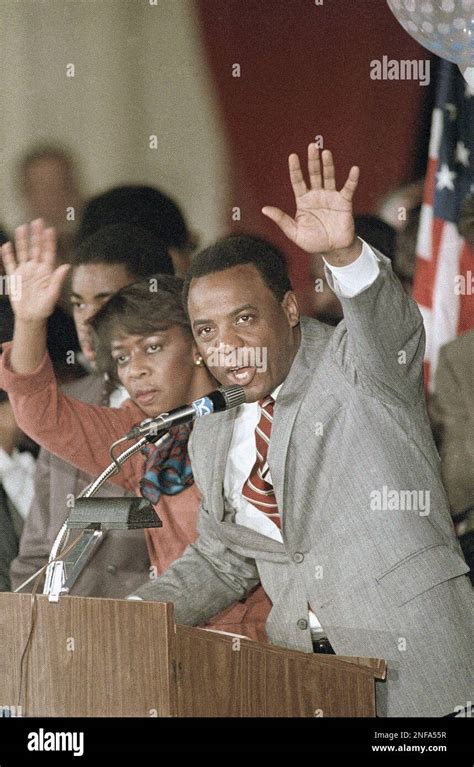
[(381, 341), (32, 267), (75, 431)]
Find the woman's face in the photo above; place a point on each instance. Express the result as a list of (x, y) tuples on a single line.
[(158, 369)]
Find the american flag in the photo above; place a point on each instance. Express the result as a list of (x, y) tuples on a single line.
[(444, 274)]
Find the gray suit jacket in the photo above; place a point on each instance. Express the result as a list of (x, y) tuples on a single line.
[(350, 419), (121, 562)]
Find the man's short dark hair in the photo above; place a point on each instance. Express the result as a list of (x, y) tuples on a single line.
[(142, 206), (237, 249), (139, 251)]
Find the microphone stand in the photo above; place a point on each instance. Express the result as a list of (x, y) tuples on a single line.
[(57, 581)]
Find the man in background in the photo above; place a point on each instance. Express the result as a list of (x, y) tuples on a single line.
[(49, 184), (452, 415), (149, 208)]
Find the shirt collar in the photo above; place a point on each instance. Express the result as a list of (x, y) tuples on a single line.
[(274, 394), (276, 391)]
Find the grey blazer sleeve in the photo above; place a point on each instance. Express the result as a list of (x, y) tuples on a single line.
[(34, 545), (381, 341), (206, 579)]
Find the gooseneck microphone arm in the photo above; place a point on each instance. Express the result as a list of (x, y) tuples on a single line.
[(55, 570), (152, 430)]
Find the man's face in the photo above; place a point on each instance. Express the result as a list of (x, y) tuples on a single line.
[(92, 286), (244, 334), (49, 190)]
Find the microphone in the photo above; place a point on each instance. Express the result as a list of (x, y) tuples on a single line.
[(216, 401)]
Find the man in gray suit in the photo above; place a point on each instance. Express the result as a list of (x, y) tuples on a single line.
[(325, 486)]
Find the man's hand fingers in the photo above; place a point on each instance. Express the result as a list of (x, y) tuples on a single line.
[(329, 172), (58, 277), (48, 247), (314, 167), (22, 242), (8, 258), (296, 176), (350, 186), (37, 229), (283, 220)]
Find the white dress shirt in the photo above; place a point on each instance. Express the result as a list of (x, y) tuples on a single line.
[(118, 396), (347, 281), (17, 473), (240, 461)]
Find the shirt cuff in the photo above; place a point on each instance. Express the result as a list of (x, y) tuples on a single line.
[(24, 383), (348, 281)]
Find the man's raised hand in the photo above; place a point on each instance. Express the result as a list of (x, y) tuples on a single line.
[(323, 221), (32, 265)]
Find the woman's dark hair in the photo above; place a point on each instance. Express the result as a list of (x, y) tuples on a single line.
[(139, 309), (237, 249)]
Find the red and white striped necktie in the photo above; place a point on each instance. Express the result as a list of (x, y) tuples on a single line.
[(256, 489)]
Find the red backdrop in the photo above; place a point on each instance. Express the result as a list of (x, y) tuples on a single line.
[(305, 70)]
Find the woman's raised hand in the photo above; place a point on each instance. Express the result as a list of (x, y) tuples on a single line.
[(32, 267)]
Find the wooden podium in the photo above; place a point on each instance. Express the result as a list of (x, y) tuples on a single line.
[(112, 657)]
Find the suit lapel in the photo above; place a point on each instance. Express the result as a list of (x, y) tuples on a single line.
[(222, 436), (287, 405)]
